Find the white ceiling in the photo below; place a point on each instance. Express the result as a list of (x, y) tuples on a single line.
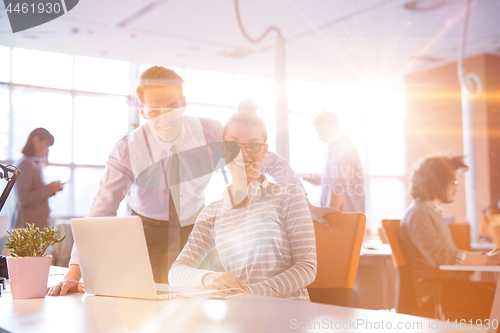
[(338, 41)]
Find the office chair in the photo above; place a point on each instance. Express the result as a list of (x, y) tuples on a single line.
[(495, 233), (383, 237), (486, 221), (405, 298), (460, 232), (338, 248)]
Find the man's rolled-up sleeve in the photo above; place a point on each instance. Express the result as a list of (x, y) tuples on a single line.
[(280, 170)]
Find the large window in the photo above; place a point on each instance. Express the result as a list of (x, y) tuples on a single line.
[(96, 115), (261, 89), (89, 103), (373, 120), (4, 123), (4, 64), (44, 69), (34, 108), (75, 99), (209, 87), (371, 117), (305, 97), (102, 75)]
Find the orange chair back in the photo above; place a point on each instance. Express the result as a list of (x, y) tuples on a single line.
[(391, 228), (460, 232), (486, 221), (492, 218), (383, 237), (338, 248), (495, 233)]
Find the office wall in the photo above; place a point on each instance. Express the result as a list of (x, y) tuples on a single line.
[(434, 123), (492, 71)]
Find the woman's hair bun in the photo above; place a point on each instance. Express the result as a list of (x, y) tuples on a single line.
[(247, 114), (247, 105)]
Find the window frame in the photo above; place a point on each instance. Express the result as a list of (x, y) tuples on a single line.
[(134, 120)]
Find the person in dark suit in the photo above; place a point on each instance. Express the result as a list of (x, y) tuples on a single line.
[(31, 192)]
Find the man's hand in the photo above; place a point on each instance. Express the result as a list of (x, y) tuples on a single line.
[(69, 284), (319, 213), (64, 287), (311, 178), (224, 280)]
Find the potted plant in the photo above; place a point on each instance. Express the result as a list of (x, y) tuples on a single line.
[(29, 264)]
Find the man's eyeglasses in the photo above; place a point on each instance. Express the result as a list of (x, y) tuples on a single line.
[(251, 147), (159, 111)]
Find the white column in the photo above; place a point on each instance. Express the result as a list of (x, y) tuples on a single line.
[(471, 203), (282, 136)]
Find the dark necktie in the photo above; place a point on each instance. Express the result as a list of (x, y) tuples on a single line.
[(174, 227)]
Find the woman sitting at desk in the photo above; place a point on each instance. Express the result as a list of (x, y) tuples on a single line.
[(263, 232)]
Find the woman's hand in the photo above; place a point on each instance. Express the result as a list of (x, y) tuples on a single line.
[(224, 280), (313, 179), (64, 287), (493, 257), (494, 251), (56, 186)]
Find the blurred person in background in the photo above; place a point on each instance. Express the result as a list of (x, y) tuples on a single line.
[(342, 181), (31, 192), (426, 242)]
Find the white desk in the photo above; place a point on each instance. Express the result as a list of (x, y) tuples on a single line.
[(375, 278), (495, 309), (87, 313)]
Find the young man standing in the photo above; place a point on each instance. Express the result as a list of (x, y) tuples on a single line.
[(166, 164), (342, 182)]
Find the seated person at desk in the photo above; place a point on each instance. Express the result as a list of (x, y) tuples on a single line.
[(140, 162), (426, 240), (263, 232)]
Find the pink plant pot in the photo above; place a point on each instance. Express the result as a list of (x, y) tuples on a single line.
[(28, 276)]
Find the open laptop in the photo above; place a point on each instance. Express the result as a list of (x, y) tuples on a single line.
[(114, 260)]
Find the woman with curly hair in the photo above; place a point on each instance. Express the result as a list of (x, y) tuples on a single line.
[(427, 243)]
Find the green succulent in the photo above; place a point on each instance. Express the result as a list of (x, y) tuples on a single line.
[(31, 242)]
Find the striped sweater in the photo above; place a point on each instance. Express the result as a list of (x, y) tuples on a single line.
[(269, 244)]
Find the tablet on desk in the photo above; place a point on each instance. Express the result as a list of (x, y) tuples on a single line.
[(226, 295)]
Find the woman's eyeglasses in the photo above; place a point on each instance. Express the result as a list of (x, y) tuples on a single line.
[(251, 147)]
